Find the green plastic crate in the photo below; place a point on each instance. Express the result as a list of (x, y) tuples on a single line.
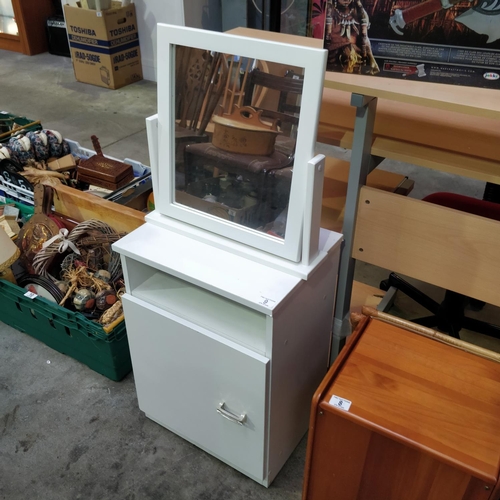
[(68, 332), (26, 211), (19, 120)]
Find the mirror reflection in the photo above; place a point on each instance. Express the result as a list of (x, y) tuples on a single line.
[(8, 24), (236, 125)]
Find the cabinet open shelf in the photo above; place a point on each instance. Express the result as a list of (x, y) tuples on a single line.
[(213, 312)]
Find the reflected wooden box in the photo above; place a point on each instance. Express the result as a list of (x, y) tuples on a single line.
[(422, 423)]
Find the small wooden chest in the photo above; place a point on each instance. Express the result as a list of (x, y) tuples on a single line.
[(105, 175), (100, 170), (420, 421)]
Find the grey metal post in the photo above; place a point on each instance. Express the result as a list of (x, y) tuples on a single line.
[(361, 162)]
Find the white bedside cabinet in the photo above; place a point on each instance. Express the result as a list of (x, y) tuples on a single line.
[(231, 283), (227, 352)]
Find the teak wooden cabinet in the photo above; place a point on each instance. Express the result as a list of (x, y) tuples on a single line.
[(31, 17), (422, 425)]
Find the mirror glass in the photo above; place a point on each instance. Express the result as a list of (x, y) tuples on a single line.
[(7, 22), (236, 121)]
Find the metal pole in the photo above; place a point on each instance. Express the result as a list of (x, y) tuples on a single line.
[(361, 162)]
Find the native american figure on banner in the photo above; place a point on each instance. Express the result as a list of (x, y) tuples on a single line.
[(346, 38)]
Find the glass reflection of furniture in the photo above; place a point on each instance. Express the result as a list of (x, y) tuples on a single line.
[(7, 22), (289, 90), (199, 83), (23, 25), (238, 184)]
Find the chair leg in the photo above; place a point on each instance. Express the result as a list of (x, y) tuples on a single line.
[(449, 316), (492, 192), (482, 327), (451, 313), (446, 316), (476, 305), (428, 321), (412, 292)]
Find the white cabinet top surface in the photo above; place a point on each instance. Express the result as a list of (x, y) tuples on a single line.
[(238, 278)]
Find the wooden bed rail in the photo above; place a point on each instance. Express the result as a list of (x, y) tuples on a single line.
[(441, 140), (445, 247)]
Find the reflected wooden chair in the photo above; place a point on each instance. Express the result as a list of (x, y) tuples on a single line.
[(207, 160), (236, 84), (288, 91), (199, 84)]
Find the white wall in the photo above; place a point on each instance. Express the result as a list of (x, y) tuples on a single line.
[(149, 14), (194, 13)]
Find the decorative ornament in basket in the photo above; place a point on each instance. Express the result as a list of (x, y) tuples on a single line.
[(88, 234), (42, 227), (57, 145), (21, 147), (95, 292), (244, 132), (5, 153)]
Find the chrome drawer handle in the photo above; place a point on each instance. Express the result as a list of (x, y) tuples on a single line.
[(239, 419)]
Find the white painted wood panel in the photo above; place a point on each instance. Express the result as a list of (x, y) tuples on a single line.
[(220, 271), (191, 311), (182, 373), (211, 311), (311, 60), (300, 346)]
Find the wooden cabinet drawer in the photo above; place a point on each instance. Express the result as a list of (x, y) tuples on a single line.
[(183, 374)]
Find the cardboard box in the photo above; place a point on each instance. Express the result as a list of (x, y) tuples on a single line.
[(104, 46), (62, 164), (439, 41), (9, 225)]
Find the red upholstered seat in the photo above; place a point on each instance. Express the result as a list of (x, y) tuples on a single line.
[(467, 204)]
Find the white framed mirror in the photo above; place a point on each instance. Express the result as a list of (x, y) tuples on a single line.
[(237, 123)]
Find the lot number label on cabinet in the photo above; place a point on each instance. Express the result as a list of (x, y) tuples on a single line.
[(265, 301), (343, 404)]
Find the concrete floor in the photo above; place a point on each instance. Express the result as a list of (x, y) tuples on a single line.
[(66, 432)]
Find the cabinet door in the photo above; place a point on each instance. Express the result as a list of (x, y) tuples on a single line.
[(184, 373)]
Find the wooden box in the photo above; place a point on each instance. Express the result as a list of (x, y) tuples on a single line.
[(79, 206), (422, 423), (105, 172)]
